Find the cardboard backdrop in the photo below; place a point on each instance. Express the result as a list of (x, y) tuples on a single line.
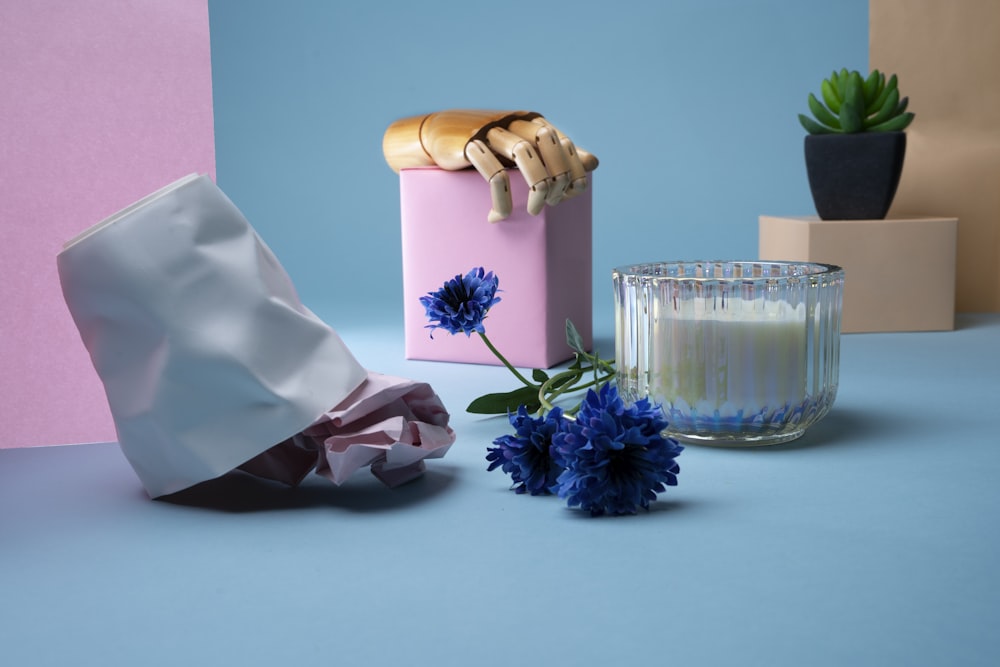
[(102, 102), (947, 56)]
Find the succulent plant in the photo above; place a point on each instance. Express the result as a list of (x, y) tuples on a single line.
[(856, 104)]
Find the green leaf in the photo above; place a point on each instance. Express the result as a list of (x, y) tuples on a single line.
[(830, 96), (903, 103), (887, 111), (539, 376), (822, 114), (842, 77), (897, 124), (871, 86), (573, 338), (873, 100), (855, 91), (812, 127), (502, 403), (877, 103), (850, 118)]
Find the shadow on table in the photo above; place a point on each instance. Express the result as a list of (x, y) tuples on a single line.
[(239, 492), (665, 504), (842, 426), (974, 321)]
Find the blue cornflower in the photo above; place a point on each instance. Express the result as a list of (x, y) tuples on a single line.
[(615, 457), (526, 456), (461, 304)]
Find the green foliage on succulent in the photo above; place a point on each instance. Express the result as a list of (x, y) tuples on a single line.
[(857, 104)]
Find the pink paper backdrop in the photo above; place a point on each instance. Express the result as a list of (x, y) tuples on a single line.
[(101, 102)]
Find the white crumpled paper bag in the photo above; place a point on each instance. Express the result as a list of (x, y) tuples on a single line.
[(207, 356)]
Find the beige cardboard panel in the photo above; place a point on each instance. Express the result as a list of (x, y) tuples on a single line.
[(947, 57), (899, 274)]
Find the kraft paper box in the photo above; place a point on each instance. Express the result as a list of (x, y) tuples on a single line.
[(543, 263), (899, 274), (946, 55)]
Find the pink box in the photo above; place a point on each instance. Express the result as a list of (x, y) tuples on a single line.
[(543, 263)]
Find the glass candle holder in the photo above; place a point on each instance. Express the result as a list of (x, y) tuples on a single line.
[(737, 353)]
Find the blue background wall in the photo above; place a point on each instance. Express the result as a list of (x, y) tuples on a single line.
[(690, 106)]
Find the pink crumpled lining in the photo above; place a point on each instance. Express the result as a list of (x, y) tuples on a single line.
[(389, 424)]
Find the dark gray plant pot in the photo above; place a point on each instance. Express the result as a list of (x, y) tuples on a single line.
[(854, 176)]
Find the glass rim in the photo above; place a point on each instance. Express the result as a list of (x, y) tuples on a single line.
[(817, 270)]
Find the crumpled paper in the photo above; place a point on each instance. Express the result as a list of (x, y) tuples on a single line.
[(210, 362), (389, 424)]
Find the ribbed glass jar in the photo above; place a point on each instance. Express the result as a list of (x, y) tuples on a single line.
[(737, 352)]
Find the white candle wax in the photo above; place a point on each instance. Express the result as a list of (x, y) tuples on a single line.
[(747, 357)]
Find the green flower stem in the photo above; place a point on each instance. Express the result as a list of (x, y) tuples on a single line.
[(601, 363), (506, 363), (597, 362), (546, 393), (543, 391)]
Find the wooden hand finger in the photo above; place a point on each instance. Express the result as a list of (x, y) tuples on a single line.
[(546, 139), (577, 158), (578, 171), (528, 161), (556, 161), (489, 167)]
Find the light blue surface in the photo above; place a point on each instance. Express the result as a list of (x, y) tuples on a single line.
[(689, 104), (871, 541)]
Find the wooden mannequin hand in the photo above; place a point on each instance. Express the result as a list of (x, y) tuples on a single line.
[(492, 142)]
